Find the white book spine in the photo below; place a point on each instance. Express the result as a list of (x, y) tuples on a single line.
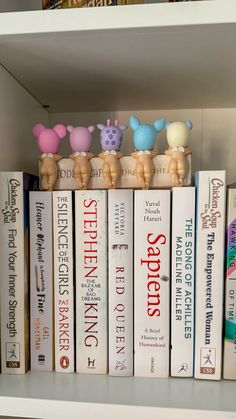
[(91, 281), (63, 281), (41, 282), (182, 281), (151, 283), (210, 232), (14, 273), (120, 268), (229, 361)]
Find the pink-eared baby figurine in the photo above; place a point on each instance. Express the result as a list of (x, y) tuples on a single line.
[(48, 141), (80, 142), (111, 138)]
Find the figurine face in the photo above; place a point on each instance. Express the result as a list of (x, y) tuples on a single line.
[(48, 139), (111, 136), (80, 138), (178, 133), (145, 134)]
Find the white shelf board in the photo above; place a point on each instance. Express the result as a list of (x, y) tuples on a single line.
[(87, 396), (156, 56)]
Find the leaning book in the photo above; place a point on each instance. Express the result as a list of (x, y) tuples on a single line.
[(151, 283), (14, 262), (210, 235), (41, 282), (229, 359), (182, 281)]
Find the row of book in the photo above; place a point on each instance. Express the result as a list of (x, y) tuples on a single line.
[(121, 281)]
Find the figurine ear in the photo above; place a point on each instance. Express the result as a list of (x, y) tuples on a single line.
[(60, 130), (159, 124), (91, 128), (37, 129), (189, 124), (167, 124), (70, 128), (100, 126), (123, 127), (134, 122)]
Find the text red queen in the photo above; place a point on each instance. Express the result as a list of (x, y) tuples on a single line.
[(152, 262)]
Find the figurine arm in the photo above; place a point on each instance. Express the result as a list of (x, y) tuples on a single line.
[(90, 155), (119, 154), (134, 154), (72, 156), (101, 155), (57, 157), (187, 151), (168, 152), (153, 154)]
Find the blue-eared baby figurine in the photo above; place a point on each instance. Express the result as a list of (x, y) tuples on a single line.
[(144, 141), (111, 137), (178, 135)]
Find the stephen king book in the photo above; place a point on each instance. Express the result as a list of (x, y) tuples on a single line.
[(120, 268), (91, 281), (63, 281), (41, 282), (14, 262), (152, 283), (229, 360), (182, 281), (210, 235)]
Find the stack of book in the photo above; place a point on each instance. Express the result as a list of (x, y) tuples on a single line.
[(126, 282)]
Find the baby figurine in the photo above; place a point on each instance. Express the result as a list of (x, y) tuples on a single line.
[(144, 141), (48, 140), (111, 138), (178, 135), (80, 142)]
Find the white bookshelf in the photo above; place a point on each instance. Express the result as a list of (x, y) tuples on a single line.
[(171, 60)]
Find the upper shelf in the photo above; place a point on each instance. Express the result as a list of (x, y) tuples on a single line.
[(156, 56)]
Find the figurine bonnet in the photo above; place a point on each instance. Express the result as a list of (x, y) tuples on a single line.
[(80, 142), (144, 141), (178, 135), (111, 138), (48, 140)]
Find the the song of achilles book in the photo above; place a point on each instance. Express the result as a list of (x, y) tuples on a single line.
[(151, 283), (120, 268), (91, 281)]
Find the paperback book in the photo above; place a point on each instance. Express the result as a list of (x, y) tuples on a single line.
[(14, 262), (229, 360), (63, 281), (41, 282), (182, 281), (120, 268), (91, 281), (210, 233), (152, 283)]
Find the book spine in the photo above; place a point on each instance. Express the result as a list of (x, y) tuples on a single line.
[(182, 281), (120, 268), (41, 282), (14, 274), (210, 231), (229, 360), (151, 283), (63, 281), (91, 281)]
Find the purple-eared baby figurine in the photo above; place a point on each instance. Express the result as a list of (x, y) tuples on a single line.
[(111, 137), (81, 142), (48, 141)]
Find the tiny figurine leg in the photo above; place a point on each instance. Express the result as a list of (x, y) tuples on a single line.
[(173, 172), (51, 181), (85, 180), (181, 171), (140, 175), (115, 174), (107, 175), (77, 175), (44, 182)]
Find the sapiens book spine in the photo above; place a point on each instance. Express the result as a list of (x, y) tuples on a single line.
[(182, 281), (63, 281), (229, 360), (151, 283), (120, 269), (91, 281), (210, 233), (14, 262), (41, 282)]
